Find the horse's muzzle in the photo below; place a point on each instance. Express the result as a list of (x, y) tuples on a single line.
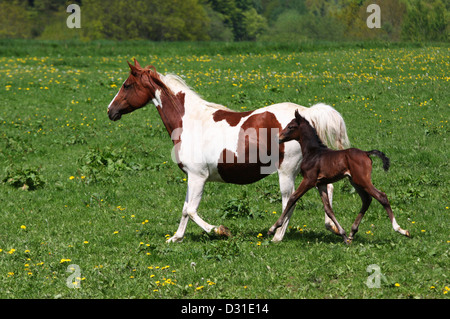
[(114, 115)]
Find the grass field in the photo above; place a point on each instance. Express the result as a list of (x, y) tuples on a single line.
[(78, 189)]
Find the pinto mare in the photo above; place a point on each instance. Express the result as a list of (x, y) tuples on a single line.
[(214, 143)]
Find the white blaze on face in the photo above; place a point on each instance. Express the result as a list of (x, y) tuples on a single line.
[(112, 100), (109, 106)]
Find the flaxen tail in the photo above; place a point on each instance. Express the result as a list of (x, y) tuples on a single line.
[(384, 158)]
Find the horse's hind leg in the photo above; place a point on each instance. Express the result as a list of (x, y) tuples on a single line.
[(326, 204), (366, 200)]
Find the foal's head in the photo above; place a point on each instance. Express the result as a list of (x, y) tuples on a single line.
[(292, 130), (137, 90), (301, 130)]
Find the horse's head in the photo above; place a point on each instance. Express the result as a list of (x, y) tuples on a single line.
[(292, 130), (134, 93)]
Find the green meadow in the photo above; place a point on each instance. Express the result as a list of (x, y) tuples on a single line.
[(87, 204)]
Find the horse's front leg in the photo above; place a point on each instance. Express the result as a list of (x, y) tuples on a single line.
[(192, 201), (179, 234)]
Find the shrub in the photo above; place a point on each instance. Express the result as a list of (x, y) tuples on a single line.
[(102, 165), (24, 178)]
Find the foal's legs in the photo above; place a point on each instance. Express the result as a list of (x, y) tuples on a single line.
[(382, 198), (366, 200), (328, 222), (284, 218), (326, 204), (363, 182)]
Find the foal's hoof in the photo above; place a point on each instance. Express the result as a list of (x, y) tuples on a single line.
[(333, 229), (222, 231), (347, 240), (404, 232)]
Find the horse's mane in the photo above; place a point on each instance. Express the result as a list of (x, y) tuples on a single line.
[(168, 78)]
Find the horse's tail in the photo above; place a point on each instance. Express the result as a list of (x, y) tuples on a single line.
[(329, 124), (384, 158)]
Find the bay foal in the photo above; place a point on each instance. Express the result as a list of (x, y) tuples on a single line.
[(321, 166)]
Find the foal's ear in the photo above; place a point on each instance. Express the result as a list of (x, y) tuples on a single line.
[(298, 117)]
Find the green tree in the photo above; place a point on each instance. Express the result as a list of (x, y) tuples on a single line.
[(241, 17), (15, 20), (254, 24), (218, 29), (155, 20), (426, 20)]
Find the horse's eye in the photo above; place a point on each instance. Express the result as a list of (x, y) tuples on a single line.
[(126, 86)]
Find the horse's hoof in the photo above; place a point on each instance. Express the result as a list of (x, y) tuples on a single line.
[(407, 234), (223, 231), (174, 239)]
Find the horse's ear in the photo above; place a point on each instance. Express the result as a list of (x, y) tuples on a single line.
[(136, 63), (297, 116), (133, 68)]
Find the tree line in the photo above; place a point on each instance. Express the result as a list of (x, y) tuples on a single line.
[(227, 20)]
